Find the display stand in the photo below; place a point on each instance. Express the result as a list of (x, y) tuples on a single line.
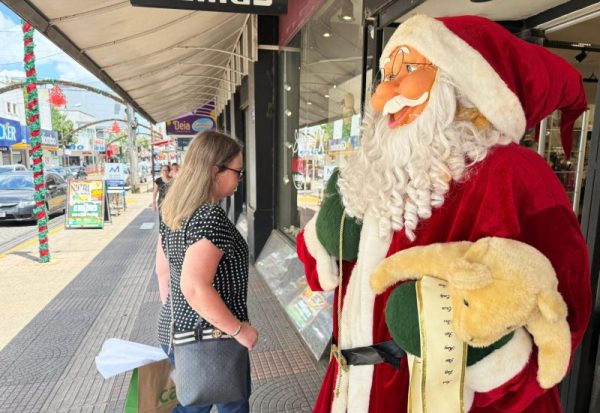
[(117, 198)]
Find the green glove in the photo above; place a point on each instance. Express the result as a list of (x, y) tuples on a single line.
[(402, 319), (329, 220)]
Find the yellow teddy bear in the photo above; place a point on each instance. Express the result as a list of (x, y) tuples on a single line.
[(496, 286)]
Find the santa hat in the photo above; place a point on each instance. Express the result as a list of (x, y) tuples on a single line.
[(513, 83)]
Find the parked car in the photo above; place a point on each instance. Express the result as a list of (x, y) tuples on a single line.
[(12, 168), (59, 170), (77, 172), (17, 191)]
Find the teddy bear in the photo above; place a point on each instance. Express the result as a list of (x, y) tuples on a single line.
[(496, 285)]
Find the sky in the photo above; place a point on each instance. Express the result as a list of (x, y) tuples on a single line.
[(51, 62)]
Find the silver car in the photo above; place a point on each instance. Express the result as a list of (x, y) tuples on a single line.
[(16, 195)]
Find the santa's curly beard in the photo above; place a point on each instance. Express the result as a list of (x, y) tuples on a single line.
[(401, 174)]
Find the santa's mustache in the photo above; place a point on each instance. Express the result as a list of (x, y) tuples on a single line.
[(396, 103)]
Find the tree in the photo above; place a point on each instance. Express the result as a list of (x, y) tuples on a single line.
[(63, 126)]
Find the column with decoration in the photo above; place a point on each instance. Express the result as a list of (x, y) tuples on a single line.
[(32, 115)]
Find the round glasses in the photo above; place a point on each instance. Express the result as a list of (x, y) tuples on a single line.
[(397, 70)]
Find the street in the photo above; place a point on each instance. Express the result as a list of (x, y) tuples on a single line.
[(15, 233)]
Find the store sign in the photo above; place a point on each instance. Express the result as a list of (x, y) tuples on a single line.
[(11, 132), (49, 138), (85, 204), (299, 12), (269, 7), (199, 120), (189, 125), (114, 171)]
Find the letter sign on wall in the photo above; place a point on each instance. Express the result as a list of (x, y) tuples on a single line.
[(270, 7)]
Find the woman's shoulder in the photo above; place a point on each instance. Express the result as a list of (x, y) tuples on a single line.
[(209, 211)]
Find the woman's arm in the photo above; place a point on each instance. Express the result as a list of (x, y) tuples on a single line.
[(162, 271), (154, 196), (197, 276)]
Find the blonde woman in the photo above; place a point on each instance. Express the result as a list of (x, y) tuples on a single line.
[(207, 255)]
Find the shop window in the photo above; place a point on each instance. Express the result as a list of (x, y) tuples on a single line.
[(320, 109), (570, 172)]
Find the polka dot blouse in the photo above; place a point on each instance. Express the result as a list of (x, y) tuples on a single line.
[(231, 280)]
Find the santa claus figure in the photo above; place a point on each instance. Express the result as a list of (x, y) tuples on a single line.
[(440, 162)]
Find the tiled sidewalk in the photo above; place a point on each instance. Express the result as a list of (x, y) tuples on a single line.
[(49, 365)]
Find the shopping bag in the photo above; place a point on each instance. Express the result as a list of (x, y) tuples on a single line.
[(151, 389)]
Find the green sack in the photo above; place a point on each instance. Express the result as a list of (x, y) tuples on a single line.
[(151, 389)]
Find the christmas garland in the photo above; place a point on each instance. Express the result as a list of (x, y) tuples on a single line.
[(33, 122)]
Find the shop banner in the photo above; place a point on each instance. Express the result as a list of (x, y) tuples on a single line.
[(268, 7), (193, 123), (85, 204)]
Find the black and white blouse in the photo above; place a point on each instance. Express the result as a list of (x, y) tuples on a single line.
[(231, 280)]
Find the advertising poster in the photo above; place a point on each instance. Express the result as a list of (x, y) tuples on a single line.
[(305, 307), (85, 204)]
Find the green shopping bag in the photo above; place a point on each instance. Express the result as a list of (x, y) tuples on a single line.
[(151, 389)]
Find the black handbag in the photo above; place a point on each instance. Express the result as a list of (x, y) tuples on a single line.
[(210, 366)]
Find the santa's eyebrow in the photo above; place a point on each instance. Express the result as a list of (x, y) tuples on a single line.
[(405, 50)]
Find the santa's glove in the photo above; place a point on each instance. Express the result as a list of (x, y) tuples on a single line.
[(329, 221)]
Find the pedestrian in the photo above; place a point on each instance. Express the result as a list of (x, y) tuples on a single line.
[(160, 187), (207, 264), (174, 170)]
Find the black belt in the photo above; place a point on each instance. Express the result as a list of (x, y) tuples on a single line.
[(386, 352)]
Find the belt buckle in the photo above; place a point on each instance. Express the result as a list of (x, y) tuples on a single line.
[(216, 333)]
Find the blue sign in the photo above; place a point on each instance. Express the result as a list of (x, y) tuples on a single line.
[(49, 137), (11, 132)]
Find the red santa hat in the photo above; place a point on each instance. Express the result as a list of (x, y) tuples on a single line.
[(513, 83)]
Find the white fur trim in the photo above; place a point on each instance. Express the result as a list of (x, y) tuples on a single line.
[(468, 397), (357, 314), (326, 269), (469, 70), (501, 365)]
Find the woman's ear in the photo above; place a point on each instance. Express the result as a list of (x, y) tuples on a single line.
[(214, 171)]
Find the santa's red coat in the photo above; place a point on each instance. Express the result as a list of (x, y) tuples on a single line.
[(511, 194)]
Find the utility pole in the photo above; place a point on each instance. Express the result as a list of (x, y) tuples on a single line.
[(133, 155)]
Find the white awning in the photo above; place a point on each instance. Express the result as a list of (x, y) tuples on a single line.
[(164, 62)]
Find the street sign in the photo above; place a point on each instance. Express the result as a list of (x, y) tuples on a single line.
[(85, 204), (115, 172), (268, 7)]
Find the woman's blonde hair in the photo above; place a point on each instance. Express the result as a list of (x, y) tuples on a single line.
[(194, 185)]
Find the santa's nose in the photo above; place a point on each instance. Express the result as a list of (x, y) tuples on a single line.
[(384, 92)]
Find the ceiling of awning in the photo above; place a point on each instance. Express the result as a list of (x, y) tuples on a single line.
[(165, 62)]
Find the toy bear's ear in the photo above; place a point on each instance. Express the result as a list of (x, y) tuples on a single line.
[(551, 305), (466, 275)]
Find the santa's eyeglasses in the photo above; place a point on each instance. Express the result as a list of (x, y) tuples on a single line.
[(401, 69)]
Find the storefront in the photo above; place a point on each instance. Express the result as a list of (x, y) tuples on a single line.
[(326, 60)]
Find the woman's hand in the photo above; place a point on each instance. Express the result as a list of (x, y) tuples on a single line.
[(248, 336)]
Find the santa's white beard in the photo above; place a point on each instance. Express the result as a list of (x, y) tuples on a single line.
[(401, 174)]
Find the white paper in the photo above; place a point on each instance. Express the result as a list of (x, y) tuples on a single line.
[(119, 356)]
